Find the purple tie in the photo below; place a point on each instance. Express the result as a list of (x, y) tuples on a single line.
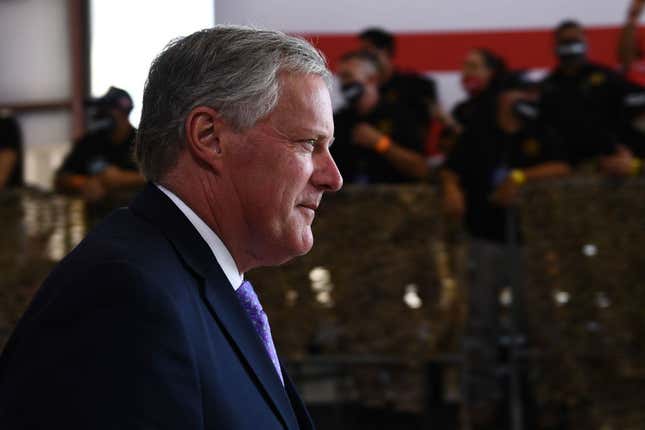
[(253, 308)]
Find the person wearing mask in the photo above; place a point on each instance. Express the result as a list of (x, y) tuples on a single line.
[(630, 54), (417, 92), (481, 183), (102, 162), (376, 141), (481, 74), (11, 152), (583, 101)]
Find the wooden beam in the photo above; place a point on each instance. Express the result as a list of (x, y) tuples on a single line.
[(78, 42), (36, 106)]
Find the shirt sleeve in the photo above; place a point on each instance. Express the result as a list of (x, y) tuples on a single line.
[(75, 161), (10, 137)]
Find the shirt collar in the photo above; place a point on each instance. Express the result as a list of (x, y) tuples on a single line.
[(221, 253)]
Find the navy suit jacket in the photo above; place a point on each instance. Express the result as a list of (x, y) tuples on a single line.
[(139, 328)]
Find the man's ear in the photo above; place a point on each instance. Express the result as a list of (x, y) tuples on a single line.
[(204, 128)]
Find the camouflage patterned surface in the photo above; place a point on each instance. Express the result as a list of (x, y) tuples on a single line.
[(384, 280)]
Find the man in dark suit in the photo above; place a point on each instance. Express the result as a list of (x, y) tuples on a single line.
[(148, 323)]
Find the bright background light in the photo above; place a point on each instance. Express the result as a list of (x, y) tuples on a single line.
[(126, 35)]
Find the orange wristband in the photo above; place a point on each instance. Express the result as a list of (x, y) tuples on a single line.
[(383, 144)]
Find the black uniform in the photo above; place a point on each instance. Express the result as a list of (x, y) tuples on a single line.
[(479, 108), (417, 93), (585, 110), (360, 165), (96, 151), (483, 158), (11, 139), (632, 133)]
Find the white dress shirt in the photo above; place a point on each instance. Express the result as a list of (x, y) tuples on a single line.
[(221, 253)]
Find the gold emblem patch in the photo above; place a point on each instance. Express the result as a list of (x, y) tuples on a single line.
[(597, 78), (531, 147)]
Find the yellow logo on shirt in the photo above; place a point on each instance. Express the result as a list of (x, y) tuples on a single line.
[(531, 147), (597, 79)]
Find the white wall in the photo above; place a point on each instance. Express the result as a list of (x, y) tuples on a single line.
[(121, 55), (333, 16), (35, 56)]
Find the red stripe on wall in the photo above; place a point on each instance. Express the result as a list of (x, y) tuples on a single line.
[(446, 51)]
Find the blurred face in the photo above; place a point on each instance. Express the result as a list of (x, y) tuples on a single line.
[(475, 74), (382, 54), (571, 47), (280, 169), (355, 71)]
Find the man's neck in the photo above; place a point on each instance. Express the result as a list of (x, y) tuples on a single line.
[(209, 208)]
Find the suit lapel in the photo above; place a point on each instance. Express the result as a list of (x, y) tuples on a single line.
[(302, 414), (156, 207), (227, 310)]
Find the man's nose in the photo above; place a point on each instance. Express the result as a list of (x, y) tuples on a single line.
[(326, 175)]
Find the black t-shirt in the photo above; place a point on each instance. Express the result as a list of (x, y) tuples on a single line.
[(483, 158), (632, 133), (11, 139), (95, 151), (479, 108), (585, 110), (360, 165), (416, 92)]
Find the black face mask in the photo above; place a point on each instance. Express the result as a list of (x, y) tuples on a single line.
[(101, 121), (571, 52), (527, 111), (352, 92)]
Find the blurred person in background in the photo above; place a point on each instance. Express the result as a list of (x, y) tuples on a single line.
[(482, 72), (630, 51), (583, 101), (418, 93), (481, 182), (376, 140), (102, 162), (11, 152)]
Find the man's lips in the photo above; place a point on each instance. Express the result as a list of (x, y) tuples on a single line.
[(312, 206)]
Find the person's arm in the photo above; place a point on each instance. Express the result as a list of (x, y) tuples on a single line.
[(627, 48), (405, 160), (621, 163), (454, 203), (8, 159), (115, 178), (508, 191)]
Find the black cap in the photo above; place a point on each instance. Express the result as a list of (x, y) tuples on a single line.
[(115, 98)]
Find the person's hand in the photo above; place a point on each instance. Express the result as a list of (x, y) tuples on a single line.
[(454, 204), (507, 193), (93, 190), (366, 136), (620, 163)]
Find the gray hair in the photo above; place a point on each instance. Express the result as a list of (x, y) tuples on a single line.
[(233, 69)]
